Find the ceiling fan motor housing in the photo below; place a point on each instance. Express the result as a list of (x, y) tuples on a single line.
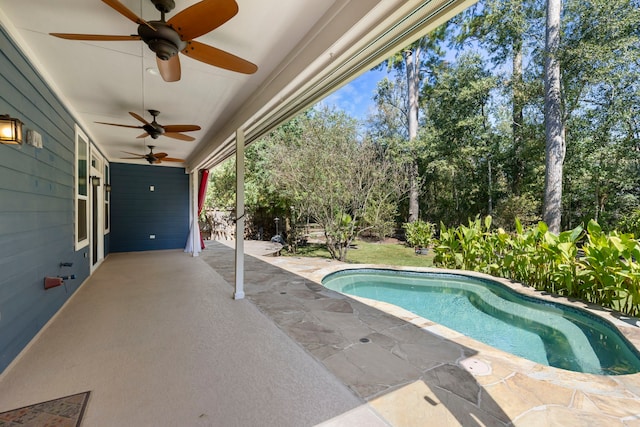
[(162, 39), (164, 6), (153, 131), (150, 157)]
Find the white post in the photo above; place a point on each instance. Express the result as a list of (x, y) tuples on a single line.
[(195, 230), (239, 294)]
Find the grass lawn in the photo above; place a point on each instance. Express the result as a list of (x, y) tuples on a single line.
[(372, 253)]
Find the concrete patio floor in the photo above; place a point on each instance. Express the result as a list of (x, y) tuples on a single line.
[(158, 339)]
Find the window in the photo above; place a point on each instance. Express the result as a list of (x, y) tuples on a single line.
[(81, 189)]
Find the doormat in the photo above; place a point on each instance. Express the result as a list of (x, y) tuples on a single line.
[(63, 412)]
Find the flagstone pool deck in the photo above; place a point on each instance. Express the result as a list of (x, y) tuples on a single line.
[(414, 372)]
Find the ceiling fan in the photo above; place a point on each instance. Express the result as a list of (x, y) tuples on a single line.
[(167, 38), (153, 158), (154, 129)]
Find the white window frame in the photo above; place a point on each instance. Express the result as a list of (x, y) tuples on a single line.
[(81, 137)]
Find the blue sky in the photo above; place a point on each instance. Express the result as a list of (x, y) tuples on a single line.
[(356, 98)]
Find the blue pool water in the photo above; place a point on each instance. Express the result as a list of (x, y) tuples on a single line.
[(544, 332)]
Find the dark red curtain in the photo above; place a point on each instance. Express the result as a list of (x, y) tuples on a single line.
[(202, 193)]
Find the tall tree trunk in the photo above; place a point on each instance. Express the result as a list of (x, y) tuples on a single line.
[(413, 87), (554, 123)]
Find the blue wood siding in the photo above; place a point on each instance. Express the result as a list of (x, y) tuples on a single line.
[(36, 206), (137, 212)]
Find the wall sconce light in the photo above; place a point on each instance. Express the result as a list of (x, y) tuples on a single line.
[(95, 181), (107, 188), (10, 130)]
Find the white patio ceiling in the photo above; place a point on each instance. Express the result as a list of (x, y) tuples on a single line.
[(304, 50)]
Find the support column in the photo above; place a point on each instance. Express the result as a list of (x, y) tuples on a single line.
[(239, 293), (193, 238), (195, 230)]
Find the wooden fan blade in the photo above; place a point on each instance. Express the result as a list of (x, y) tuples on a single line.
[(116, 124), (132, 158), (203, 17), (176, 135), (218, 58), (123, 10), (95, 37), (172, 159), (138, 117), (144, 135), (181, 128), (169, 69), (160, 156)]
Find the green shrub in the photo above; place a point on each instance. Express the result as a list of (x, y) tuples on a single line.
[(630, 223), (607, 273), (419, 233), (524, 208), (379, 219)]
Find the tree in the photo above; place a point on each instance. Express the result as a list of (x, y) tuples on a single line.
[(554, 121), (335, 177), (505, 28), (600, 56), (481, 141), (387, 124), (221, 191), (387, 129), (416, 60), (462, 143)]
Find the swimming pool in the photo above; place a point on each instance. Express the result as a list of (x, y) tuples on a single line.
[(542, 331)]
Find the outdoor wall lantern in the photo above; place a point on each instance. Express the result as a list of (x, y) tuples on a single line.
[(107, 188), (10, 130), (95, 181)]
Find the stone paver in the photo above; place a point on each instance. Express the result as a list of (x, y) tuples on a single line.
[(415, 372)]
